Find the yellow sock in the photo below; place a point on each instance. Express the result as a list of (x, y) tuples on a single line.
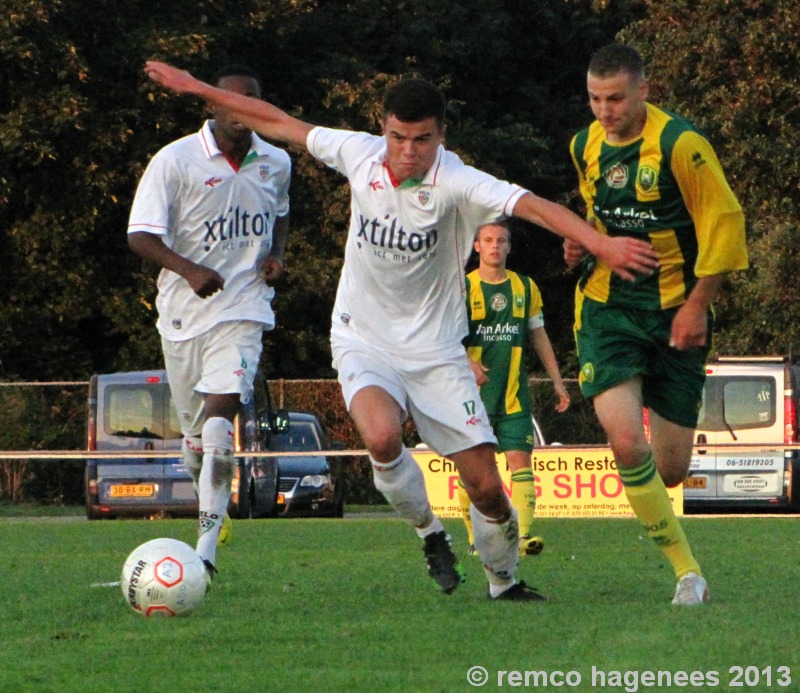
[(523, 498), (464, 501), (649, 499)]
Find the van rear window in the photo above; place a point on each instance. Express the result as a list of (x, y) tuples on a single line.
[(138, 411), (738, 403)]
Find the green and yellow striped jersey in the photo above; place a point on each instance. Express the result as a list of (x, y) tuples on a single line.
[(500, 317), (667, 186)]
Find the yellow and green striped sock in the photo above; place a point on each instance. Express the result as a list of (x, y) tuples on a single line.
[(650, 501), (464, 502), (523, 498)]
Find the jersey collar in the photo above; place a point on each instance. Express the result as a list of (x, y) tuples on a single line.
[(258, 147), (431, 177)]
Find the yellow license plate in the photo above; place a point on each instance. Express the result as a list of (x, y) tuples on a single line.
[(695, 482), (132, 490), (281, 499)]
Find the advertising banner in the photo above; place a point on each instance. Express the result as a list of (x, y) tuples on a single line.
[(570, 482)]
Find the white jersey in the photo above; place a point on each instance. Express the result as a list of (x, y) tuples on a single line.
[(402, 284), (215, 216)]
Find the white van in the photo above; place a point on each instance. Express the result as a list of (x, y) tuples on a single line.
[(747, 401)]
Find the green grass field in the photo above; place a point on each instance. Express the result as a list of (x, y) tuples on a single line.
[(346, 605)]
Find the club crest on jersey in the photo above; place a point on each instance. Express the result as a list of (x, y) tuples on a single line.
[(698, 160), (498, 302), (263, 171), (616, 176), (647, 178), (519, 301), (424, 197)]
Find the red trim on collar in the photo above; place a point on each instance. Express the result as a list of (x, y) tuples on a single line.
[(206, 143), (392, 179), (232, 162), (438, 165)]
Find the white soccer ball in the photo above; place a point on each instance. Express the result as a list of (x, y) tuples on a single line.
[(163, 577)]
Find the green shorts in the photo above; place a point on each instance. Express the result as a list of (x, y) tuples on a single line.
[(617, 344), (514, 432)]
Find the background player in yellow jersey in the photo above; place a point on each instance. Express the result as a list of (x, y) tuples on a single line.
[(649, 174), (503, 307)]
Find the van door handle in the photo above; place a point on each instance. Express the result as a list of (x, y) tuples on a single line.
[(149, 446), (701, 440)]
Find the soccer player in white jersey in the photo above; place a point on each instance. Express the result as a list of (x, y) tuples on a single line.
[(399, 315), (212, 210)]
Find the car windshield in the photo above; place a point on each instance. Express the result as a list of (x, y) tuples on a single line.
[(301, 436)]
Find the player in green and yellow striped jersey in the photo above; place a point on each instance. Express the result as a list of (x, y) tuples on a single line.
[(503, 309), (649, 174)]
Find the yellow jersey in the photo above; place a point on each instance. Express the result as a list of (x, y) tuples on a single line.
[(666, 186)]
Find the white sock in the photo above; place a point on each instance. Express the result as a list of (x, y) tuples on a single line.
[(402, 483), (498, 546), (432, 528), (496, 590), (192, 449), (214, 486)]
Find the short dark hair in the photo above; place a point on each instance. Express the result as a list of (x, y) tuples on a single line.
[(502, 223), (236, 71), (413, 100), (615, 58)]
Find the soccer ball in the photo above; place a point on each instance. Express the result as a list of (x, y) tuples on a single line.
[(163, 577)]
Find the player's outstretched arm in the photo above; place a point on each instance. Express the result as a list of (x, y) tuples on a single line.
[(623, 255), (256, 114)]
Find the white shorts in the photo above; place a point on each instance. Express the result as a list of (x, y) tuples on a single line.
[(221, 361), (439, 392)]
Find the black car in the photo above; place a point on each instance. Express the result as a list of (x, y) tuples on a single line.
[(306, 485)]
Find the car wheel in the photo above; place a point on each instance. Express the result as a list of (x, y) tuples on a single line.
[(246, 502), (795, 499), (240, 508), (338, 503), (252, 512)]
